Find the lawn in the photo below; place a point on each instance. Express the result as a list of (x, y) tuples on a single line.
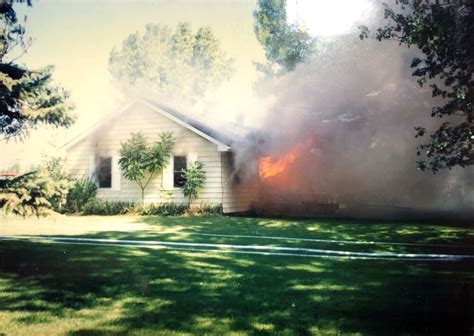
[(63, 289)]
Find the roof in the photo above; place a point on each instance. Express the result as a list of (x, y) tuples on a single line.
[(222, 136)]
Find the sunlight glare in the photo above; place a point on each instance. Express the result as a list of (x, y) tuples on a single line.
[(326, 17)]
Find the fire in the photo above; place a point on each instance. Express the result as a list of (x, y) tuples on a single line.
[(268, 167)]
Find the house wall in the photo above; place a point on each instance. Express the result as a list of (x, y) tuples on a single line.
[(78, 161), (141, 118), (239, 192)]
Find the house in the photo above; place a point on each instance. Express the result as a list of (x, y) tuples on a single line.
[(96, 154)]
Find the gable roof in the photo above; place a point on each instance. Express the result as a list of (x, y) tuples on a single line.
[(223, 139)]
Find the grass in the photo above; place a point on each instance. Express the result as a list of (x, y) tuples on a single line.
[(55, 289)]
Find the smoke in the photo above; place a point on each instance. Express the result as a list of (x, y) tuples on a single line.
[(355, 106)]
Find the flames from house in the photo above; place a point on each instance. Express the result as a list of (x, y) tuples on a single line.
[(339, 128), (272, 167)]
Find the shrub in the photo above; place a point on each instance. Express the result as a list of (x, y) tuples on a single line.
[(205, 210), (209, 209), (162, 209), (194, 181), (31, 194), (105, 208), (81, 192), (59, 179)]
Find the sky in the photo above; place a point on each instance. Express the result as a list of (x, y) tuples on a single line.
[(76, 36)]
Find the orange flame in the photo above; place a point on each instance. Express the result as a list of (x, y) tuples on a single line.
[(269, 168)]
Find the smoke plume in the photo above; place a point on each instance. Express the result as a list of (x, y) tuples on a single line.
[(345, 124)]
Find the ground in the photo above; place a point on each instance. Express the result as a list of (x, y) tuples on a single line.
[(61, 288)]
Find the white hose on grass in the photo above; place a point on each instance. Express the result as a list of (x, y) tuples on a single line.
[(230, 248)]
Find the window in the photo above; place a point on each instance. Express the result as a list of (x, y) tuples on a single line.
[(179, 163), (104, 172)]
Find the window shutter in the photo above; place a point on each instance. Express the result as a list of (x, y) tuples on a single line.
[(168, 174), (191, 158), (116, 174)]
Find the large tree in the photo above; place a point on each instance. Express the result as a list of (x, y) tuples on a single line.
[(444, 35), (27, 97), (286, 45), (173, 65)]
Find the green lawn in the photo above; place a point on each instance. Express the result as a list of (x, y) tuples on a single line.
[(59, 289)]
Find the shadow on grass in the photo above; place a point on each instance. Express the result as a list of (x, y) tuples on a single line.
[(121, 290), (419, 232)]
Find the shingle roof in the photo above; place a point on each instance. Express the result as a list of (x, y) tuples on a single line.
[(221, 135)]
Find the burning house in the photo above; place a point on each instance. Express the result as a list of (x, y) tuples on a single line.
[(95, 154)]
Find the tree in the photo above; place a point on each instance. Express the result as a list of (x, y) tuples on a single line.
[(194, 180), (27, 97), (286, 45), (141, 163), (54, 168), (176, 66), (444, 34), (32, 193)]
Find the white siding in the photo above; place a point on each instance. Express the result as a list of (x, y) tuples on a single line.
[(239, 194), (141, 118), (80, 159), (151, 124)]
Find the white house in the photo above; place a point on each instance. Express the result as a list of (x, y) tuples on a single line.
[(96, 153)]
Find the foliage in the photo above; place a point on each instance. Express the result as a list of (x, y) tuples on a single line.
[(82, 192), (54, 168), (105, 208), (444, 33), (286, 45), (110, 208), (174, 65), (208, 209), (28, 97), (140, 162), (33, 193), (162, 209), (45, 187), (195, 178)]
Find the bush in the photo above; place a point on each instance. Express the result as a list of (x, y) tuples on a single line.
[(80, 194), (162, 209), (105, 208), (208, 209), (31, 194), (194, 180), (59, 179)]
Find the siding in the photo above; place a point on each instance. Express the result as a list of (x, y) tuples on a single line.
[(140, 118), (239, 194), (79, 158)]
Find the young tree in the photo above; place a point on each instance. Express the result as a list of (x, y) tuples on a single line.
[(444, 34), (286, 45), (195, 178), (176, 66), (141, 163), (27, 97)]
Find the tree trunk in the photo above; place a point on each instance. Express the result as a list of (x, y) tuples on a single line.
[(143, 195)]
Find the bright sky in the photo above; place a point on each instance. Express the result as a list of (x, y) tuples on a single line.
[(327, 18), (76, 37)]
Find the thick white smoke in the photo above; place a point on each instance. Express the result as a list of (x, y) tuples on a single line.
[(357, 104)]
